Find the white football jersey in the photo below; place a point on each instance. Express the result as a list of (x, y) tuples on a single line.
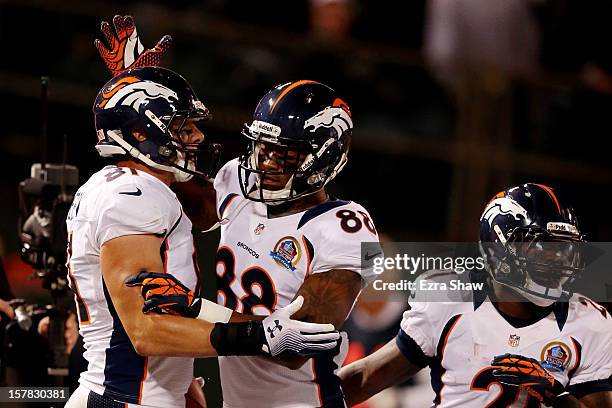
[(458, 340), (261, 263), (116, 202)]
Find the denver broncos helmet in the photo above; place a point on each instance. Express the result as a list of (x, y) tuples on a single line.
[(530, 239), (307, 118), (153, 100)]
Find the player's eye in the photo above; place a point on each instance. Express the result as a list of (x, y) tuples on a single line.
[(271, 155), (186, 132)]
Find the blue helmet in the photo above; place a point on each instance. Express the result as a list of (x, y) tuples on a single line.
[(306, 117), (530, 239), (151, 99)]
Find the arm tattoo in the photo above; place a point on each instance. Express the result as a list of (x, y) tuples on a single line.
[(329, 296)]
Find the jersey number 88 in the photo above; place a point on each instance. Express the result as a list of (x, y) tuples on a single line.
[(250, 279)]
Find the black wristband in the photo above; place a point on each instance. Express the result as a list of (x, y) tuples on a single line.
[(238, 339)]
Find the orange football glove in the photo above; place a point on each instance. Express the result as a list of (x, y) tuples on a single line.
[(163, 293), (125, 50), (527, 373)]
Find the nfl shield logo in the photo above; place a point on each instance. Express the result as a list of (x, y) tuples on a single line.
[(259, 229), (514, 340)]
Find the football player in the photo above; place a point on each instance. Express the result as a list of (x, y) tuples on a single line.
[(125, 220), (531, 343), (283, 236)]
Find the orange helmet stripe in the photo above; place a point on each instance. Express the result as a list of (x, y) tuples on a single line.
[(290, 88), (551, 193), (339, 103), (115, 88), (498, 195), (120, 84)]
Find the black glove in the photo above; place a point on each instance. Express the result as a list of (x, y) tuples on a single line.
[(527, 373), (165, 294)]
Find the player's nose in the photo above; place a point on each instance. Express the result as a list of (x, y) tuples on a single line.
[(196, 136), (270, 161), (270, 164)]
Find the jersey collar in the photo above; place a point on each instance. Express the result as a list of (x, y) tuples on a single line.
[(560, 309)]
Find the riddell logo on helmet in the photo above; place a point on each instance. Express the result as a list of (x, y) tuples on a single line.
[(562, 227), (156, 120), (265, 127), (311, 158)]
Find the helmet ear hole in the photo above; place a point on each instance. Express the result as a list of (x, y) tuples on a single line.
[(166, 152), (138, 134)]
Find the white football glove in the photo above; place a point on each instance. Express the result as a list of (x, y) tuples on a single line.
[(284, 334)]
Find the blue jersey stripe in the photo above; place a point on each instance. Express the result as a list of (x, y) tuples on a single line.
[(320, 209), (125, 369), (225, 203), (437, 370), (328, 382)]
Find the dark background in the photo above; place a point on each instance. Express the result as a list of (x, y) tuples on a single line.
[(432, 142)]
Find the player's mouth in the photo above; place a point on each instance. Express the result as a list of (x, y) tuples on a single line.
[(548, 278), (274, 182)]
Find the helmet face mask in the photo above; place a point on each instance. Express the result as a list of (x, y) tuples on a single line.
[(159, 104), (534, 251), (185, 150), (271, 172), (541, 267), (297, 143)]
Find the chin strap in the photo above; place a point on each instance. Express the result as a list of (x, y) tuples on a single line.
[(179, 175)]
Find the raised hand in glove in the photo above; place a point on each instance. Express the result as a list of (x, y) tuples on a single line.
[(124, 50), (527, 373)]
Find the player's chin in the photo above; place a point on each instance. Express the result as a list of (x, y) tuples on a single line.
[(552, 282), (274, 183)]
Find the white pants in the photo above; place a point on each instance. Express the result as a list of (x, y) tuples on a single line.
[(78, 399)]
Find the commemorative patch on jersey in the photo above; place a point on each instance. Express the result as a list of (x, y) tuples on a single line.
[(556, 356), (514, 340), (287, 252)]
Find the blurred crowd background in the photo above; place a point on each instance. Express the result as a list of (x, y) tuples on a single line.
[(453, 100)]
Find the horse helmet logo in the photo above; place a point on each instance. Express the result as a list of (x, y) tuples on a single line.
[(133, 92), (503, 206), (337, 116)]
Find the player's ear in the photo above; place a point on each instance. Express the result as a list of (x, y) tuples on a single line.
[(139, 134)]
